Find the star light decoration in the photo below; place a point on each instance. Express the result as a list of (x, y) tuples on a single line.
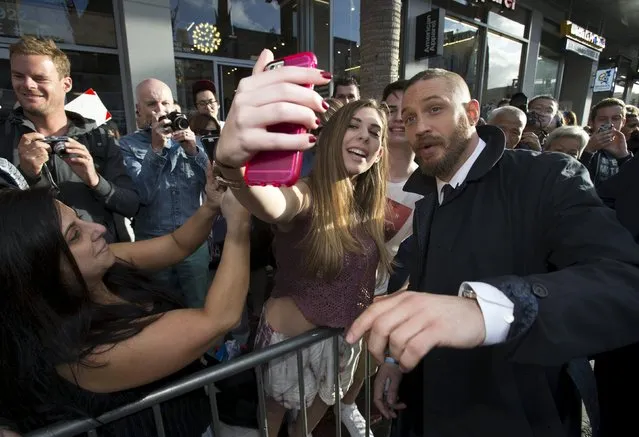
[(206, 38)]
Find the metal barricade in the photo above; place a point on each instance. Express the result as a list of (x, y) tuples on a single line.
[(208, 377)]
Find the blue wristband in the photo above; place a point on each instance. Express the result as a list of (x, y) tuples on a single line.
[(391, 360)]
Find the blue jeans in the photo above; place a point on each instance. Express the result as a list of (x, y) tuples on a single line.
[(190, 278)]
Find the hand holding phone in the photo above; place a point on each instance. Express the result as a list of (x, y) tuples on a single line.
[(279, 168), (265, 99)]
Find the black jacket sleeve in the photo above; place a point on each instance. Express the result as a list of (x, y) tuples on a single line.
[(589, 302), (621, 192), (116, 188)]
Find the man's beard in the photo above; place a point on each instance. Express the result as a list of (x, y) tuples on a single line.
[(454, 148)]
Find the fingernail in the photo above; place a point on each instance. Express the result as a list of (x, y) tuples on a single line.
[(313, 139), (325, 105), (318, 121), (326, 74)]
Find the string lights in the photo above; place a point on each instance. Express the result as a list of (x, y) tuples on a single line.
[(206, 38)]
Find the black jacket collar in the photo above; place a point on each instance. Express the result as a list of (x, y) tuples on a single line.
[(78, 125), (495, 140)]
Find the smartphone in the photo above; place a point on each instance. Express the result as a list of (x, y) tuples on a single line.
[(605, 127), (279, 168)]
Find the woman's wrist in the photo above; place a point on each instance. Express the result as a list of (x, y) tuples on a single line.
[(238, 228)]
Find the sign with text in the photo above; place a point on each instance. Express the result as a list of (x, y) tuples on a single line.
[(508, 4), (578, 33), (429, 34), (604, 80), (582, 49)]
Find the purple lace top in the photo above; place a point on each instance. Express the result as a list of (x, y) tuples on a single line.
[(334, 303)]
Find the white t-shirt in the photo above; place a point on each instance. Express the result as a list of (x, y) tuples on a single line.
[(399, 226)]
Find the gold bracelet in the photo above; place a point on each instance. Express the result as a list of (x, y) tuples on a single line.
[(233, 184)]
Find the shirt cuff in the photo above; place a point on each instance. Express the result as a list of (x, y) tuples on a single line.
[(103, 189), (200, 158), (496, 308)]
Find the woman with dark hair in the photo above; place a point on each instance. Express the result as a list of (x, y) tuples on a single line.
[(207, 129), (83, 330), (204, 124)]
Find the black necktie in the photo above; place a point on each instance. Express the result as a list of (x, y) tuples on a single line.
[(447, 190)]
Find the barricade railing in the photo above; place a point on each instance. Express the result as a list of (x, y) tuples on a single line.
[(208, 377)]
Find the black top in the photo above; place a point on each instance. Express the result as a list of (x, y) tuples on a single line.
[(185, 416)]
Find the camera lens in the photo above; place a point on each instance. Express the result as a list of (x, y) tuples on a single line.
[(59, 148)]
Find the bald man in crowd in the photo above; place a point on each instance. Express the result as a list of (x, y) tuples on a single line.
[(168, 167), (513, 121)]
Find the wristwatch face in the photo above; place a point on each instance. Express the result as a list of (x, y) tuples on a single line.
[(468, 293)]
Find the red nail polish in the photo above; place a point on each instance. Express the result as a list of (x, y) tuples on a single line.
[(326, 74), (325, 105), (312, 139), (318, 122)]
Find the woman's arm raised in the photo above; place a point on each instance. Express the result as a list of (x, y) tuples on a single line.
[(178, 337)]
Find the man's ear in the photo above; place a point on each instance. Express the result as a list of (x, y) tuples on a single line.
[(473, 112), (67, 83)]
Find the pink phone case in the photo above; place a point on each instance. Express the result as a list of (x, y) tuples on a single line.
[(279, 168)]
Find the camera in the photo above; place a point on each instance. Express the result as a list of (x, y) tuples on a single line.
[(178, 121), (58, 145)]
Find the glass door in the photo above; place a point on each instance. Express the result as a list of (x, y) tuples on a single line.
[(7, 97), (228, 78)]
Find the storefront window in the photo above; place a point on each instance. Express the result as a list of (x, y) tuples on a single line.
[(499, 21), (633, 97), (7, 97), (503, 60), (346, 38), (187, 72), (230, 77), (102, 73), (461, 50), (546, 73), (235, 28), (88, 22), (322, 32)]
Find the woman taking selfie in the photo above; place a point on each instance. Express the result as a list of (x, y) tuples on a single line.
[(329, 238), (84, 331)]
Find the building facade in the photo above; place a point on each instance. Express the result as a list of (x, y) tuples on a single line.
[(114, 44), (499, 46), (537, 47)]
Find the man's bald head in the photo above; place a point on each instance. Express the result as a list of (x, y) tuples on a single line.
[(154, 99), (151, 85), (509, 112), (456, 84), (512, 121)]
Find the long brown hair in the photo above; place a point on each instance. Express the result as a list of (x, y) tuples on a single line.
[(340, 204)]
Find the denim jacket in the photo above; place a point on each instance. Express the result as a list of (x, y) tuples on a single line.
[(170, 184)]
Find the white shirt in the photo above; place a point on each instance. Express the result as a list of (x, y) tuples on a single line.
[(496, 308), (401, 205)]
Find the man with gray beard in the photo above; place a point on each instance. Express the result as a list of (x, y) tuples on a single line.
[(519, 273)]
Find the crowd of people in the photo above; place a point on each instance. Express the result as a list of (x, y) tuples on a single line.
[(485, 263)]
